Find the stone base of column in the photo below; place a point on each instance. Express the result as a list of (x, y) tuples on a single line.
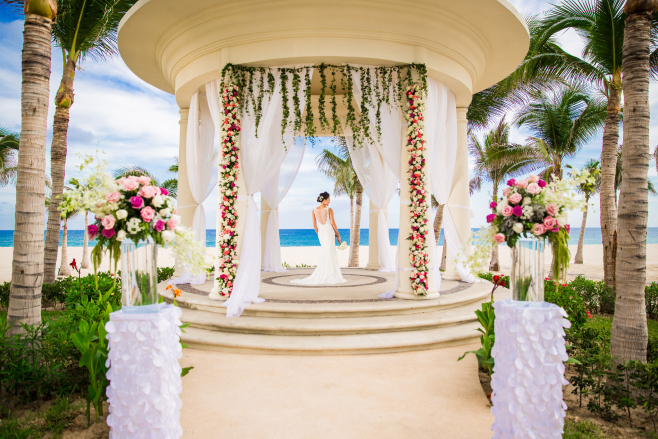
[(373, 267), (451, 275), (408, 296)]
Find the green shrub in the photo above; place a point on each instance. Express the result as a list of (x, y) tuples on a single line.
[(651, 300), (4, 294), (166, 273), (597, 296), (581, 429), (53, 293), (566, 297)]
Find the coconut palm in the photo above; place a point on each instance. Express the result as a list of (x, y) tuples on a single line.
[(171, 184), (84, 29), (629, 326), (338, 167), (8, 156), (601, 24), (588, 189), (27, 263), (619, 175), (64, 267)]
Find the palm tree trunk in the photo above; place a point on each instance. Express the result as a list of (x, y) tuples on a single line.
[(64, 268), (581, 237), (444, 255), (63, 102), (357, 226), (85, 245), (608, 170), (349, 259), (438, 222), (629, 326), (494, 264), (27, 263)]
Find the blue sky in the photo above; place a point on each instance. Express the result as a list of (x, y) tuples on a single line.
[(135, 123)]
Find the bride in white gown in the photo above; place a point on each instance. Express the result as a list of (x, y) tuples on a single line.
[(327, 271)]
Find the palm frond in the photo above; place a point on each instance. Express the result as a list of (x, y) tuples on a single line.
[(134, 170)]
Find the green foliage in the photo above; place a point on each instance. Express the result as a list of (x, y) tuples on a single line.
[(59, 415), (566, 297), (597, 296), (4, 294), (651, 300), (581, 429), (166, 273), (486, 317)]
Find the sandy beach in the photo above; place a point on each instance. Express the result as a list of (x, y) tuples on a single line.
[(592, 254)]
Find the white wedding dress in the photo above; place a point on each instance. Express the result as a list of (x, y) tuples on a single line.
[(327, 271)]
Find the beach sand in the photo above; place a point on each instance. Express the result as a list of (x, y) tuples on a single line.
[(592, 254)]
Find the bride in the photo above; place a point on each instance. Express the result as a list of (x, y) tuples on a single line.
[(327, 271)]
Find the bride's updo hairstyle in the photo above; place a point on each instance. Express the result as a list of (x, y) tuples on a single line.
[(323, 196)]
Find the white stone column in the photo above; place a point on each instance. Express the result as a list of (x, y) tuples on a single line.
[(241, 203), (373, 245), (184, 198), (459, 202), (264, 218), (404, 290)]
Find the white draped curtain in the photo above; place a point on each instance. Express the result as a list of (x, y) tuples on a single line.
[(275, 190), (261, 158), (202, 151)]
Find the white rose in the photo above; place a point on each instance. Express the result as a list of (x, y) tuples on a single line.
[(176, 218), (168, 236), (518, 227), (527, 200), (562, 220), (158, 200), (165, 212), (121, 235), (122, 214)]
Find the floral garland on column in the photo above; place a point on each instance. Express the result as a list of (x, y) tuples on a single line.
[(418, 252), (228, 188)]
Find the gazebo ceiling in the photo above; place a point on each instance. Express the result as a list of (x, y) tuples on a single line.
[(178, 45)]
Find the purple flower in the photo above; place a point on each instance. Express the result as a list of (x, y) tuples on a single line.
[(490, 217), (556, 229), (159, 226), (541, 184), (518, 211), (164, 191), (511, 182), (137, 202), (108, 233), (92, 231), (493, 205), (568, 227)]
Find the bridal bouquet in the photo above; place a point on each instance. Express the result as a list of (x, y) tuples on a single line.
[(134, 208), (342, 246)]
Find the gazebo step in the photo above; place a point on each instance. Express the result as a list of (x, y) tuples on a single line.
[(331, 344)]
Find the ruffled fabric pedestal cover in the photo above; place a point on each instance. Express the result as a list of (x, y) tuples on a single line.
[(144, 374), (528, 376)]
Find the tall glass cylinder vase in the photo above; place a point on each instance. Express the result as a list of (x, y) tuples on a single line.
[(139, 276), (527, 277)]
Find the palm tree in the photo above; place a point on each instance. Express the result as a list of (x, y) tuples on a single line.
[(64, 267), (85, 263), (84, 29), (171, 184), (496, 159), (619, 176), (339, 168), (8, 156), (587, 189), (27, 263), (600, 24), (629, 325)]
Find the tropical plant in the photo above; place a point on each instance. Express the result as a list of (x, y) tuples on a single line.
[(593, 168), (496, 159), (84, 29), (64, 268), (338, 167), (27, 264), (85, 263), (8, 156), (619, 175), (171, 184), (629, 327), (601, 24)]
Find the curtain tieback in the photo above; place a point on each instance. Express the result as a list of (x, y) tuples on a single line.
[(463, 207), (270, 210), (189, 205), (378, 210)]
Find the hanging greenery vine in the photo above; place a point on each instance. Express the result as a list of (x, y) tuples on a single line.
[(388, 88)]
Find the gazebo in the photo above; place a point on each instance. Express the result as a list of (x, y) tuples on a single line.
[(448, 50)]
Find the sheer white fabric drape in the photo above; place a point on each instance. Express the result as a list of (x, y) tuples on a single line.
[(261, 158), (273, 193), (441, 130), (201, 154)]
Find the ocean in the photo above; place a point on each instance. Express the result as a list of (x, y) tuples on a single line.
[(308, 238)]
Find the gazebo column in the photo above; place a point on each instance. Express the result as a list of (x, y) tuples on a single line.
[(184, 200), (241, 203), (265, 211), (373, 245), (404, 290), (459, 202)]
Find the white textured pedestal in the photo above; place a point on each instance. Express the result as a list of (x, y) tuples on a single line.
[(529, 371), (144, 374)]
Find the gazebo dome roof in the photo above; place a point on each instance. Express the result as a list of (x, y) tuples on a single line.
[(178, 46)]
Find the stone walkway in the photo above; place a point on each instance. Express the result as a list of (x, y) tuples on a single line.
[(422, 394)]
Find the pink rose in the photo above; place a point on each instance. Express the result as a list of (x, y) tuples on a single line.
[(521, 184), (533, 188), (533, 179), (108, 221), (505, 192), (147, 213), (507, 211), (144, 180), (550, 222), (149, 191), (515, 198), (113, 197), (159, 226), (130, 184), (172, 224), (120, 181), (499, 238), (538, 229), (551, 209)]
